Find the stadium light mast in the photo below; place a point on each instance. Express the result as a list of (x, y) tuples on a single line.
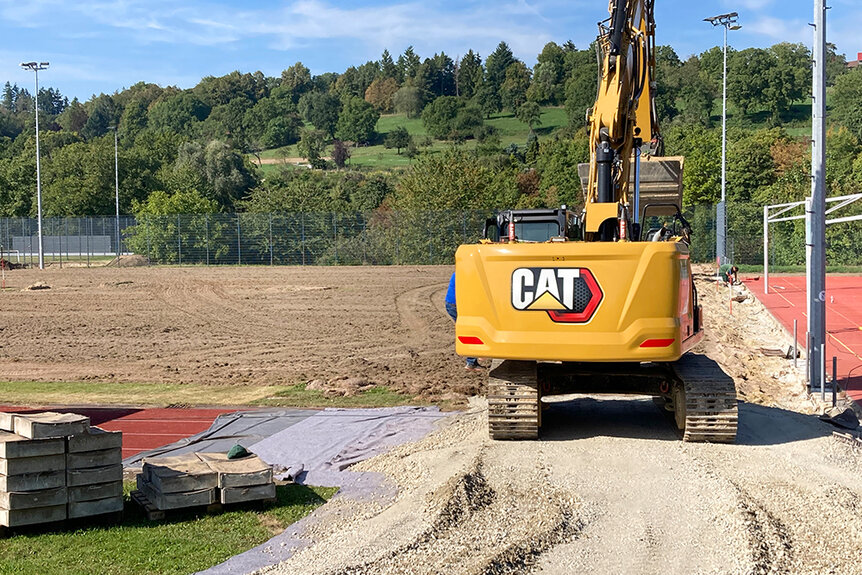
[(728, 22), (815, 229), (35, 67)]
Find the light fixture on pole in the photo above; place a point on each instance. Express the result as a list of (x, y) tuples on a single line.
[(728, 22), (35, 67), (116, 130)]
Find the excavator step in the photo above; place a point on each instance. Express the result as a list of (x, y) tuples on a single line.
[(708, 398), (514, 411)]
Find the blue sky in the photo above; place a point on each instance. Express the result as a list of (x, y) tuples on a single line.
[(105, 45)]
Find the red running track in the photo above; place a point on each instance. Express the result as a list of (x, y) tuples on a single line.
[(786, 300), (143, 429)]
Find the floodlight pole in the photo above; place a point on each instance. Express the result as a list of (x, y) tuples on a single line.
[(35, 67), (728, 22), (816, 207)]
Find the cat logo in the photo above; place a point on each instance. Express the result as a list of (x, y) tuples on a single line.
[(568, 295)]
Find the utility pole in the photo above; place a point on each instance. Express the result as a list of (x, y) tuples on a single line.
[(117, 187), (728, 22), (815, 236), (35, 67)]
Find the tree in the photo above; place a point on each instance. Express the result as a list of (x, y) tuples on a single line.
[(340, 153), (322, 110), (488, 100), (439, 116), (693, 94), (530, 113), (215, 170), (408, 64), (470, 75), (580, 89), (310, 146), (790, 77), (74, 117), (380, 93), (846, 102), (102, 116), (177, 113), (748, 78), (408, 100), (836, 64), (497, 64), (358, 121), (513, 92), (388, 69), (398, 138), (454, 181), (296, 81)]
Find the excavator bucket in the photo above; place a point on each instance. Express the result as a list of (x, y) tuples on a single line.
[(660, 183)]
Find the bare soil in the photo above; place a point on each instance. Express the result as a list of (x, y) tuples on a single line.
[(235, 326)]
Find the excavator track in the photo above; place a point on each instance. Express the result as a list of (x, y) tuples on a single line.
[(704, 400), (514, 410)]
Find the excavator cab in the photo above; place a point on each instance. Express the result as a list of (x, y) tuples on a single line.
[(533, 226)]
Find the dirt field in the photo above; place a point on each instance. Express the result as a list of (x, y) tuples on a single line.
[(235, 326), (334, 327), (609, 490)]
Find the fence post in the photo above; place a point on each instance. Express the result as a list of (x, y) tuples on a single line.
[(207, 235), (270, 239), (179, 242), (335, 235), (238, 242), (88, 241), (302, 235), (364, 217)]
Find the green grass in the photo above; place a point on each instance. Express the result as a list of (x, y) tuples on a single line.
[(510, 129), (91, 393), (298, 396), (183, 543)]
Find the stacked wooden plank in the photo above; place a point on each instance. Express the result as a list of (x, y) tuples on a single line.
[(53, 467), (200, 479), (241, 480), (94, 472), (177, 482)]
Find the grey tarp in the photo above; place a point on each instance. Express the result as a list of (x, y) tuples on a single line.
[(228, 429), (318, 451)]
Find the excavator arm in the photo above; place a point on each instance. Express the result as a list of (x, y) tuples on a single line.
[(623, 116)]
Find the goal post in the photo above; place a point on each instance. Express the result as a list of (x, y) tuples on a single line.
[(776, 213)]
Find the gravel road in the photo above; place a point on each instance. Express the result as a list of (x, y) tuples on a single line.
[(610, 489)]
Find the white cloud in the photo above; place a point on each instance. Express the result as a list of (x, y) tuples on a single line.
[(781, 30)]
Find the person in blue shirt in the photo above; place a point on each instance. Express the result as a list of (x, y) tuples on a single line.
[(452, 310)]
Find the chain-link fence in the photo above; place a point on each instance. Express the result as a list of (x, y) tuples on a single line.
[(380, 237)]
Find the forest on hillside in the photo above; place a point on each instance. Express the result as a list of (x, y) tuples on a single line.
[(198, 150)]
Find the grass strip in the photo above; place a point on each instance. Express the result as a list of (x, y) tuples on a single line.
[(182, 543), (37, 393)]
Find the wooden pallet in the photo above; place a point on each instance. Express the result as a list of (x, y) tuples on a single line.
[(153, 513)]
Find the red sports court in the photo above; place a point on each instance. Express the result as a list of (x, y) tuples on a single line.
[(786, 301), (143, 429)]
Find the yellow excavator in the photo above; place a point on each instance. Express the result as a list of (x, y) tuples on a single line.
[(566, 301)]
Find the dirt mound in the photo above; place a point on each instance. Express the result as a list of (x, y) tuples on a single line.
[(37, 286), (131, 261)]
